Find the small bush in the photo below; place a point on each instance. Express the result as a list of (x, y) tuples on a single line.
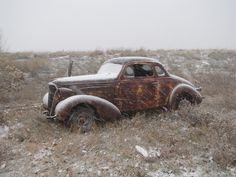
[(11, 79), (33, 66)]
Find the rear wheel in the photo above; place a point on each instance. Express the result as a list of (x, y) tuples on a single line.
[(82, 119), (183, 101)]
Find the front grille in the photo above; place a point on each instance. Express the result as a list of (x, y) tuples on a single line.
[(52, 90)]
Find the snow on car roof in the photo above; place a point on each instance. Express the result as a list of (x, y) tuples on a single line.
[(122, 60)]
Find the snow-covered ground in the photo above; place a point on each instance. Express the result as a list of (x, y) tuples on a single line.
[(191, 142)]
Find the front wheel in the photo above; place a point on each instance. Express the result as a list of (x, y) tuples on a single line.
[(82, 119), (182, 102)]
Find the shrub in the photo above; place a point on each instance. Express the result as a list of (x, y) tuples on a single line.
[(11, 79)]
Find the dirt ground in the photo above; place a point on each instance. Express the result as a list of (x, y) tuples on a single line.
[(193, 141)]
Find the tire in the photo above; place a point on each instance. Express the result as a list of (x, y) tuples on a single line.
[(183, 102), (82, 119)]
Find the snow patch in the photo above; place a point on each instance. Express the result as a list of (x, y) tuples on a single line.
[(205, 63), (185, 173), (151, 153), (61, 57), (42, 153), (4, 131), (92, 77)]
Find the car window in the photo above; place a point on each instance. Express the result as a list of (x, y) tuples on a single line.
[(160, 71), (138, 70), (129, 72), (110, 68)]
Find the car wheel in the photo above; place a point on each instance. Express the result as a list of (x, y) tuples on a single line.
[(184, 103), (82, 119)]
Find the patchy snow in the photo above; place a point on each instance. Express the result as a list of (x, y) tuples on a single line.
[(60, 57), (4, 131), (42, 153), (151, 153), (17, 126), (184, 173), (92, 77), (205, 63)]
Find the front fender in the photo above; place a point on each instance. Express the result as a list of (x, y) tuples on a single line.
[(105, 109), (181, 90)]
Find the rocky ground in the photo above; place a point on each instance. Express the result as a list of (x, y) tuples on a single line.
[(197, 141)]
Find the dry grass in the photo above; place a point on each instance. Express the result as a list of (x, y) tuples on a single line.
[(178, 135), (33, 66), (191, 137), (11, 79), (14, 84)]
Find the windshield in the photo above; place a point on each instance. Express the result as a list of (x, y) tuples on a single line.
[(110, 68)]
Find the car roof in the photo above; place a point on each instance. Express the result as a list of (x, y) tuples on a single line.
[(124, 60)]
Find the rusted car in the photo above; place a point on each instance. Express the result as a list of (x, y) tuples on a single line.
[(122, 84)]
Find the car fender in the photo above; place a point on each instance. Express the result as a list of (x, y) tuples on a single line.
[(62, 93), (180, 90), (105, 109)]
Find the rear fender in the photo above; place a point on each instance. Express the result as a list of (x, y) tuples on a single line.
[(105, 109), (181, 90)]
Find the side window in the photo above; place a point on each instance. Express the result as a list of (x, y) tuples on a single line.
[(159, 71), (129, 72), (138, 70)]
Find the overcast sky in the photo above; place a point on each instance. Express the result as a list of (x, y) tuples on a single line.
[(51, 25)]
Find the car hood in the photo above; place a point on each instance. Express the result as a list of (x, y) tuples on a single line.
[(85, 78), (182, 80)]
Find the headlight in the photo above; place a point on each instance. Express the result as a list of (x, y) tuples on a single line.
[(45, 101)]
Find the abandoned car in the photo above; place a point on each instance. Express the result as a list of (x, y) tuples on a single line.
[(122, 84)]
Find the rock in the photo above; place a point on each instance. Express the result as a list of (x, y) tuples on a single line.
[(29, 154), (142, 151), (54, 143), (36, 170), (105, 168), (3, 166), (152, 153), (99, 173), (84, 151)]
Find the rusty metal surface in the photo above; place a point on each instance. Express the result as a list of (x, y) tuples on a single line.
[(126, 92), (105, 109)]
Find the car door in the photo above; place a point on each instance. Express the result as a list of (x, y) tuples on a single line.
[(165, 85), (137, 88)]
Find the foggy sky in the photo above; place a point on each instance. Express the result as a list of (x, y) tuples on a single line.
[(51, 25)]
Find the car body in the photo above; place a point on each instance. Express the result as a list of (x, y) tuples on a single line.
[(122, 84)]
